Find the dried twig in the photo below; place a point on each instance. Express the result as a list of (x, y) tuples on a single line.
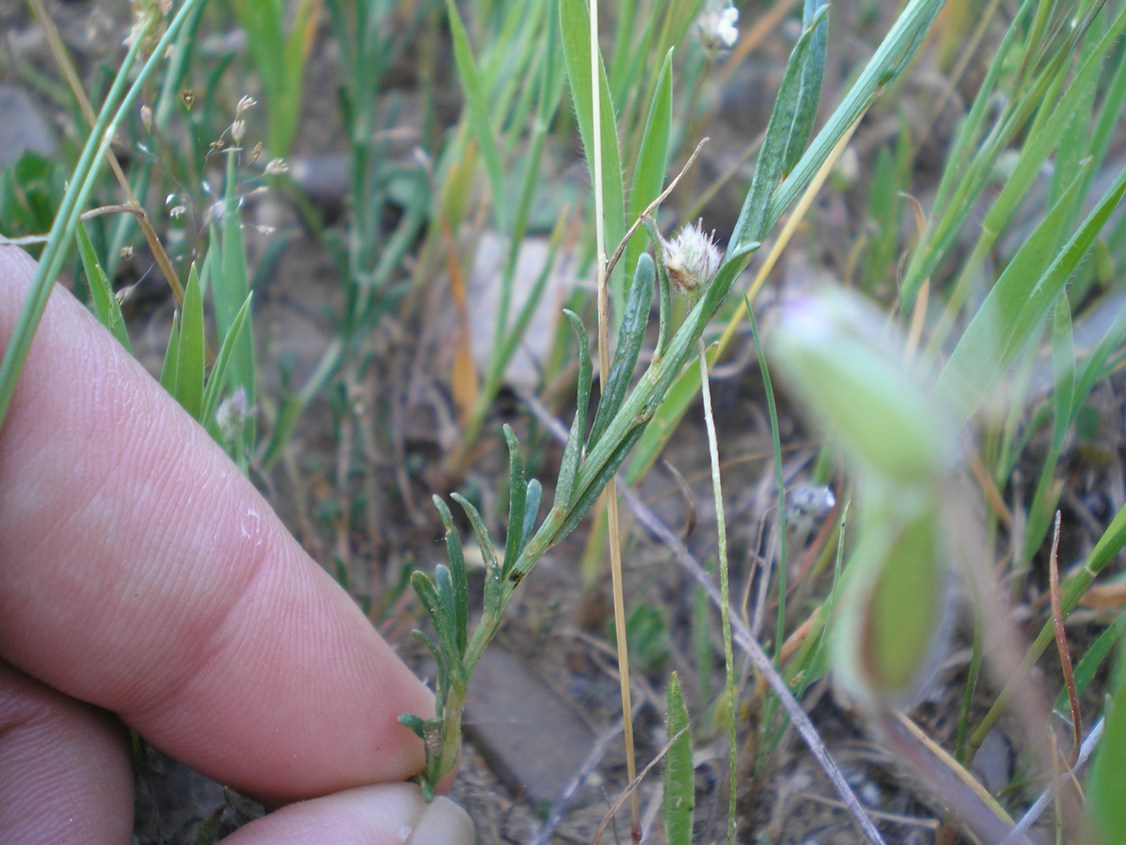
[(1061, 641)]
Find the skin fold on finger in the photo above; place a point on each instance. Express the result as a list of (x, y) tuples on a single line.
[(64, 769), (141, 572), (390, 814)]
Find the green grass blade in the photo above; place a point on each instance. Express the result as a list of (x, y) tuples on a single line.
[(1021, 299), (1105, 808), (680, 781), (574, 20), (1092, 659), (191, 358), (478, 113), (117, 103), (652, 157), (218, 377), (1063, 371), (169, 366), (106, 306), (229, 291)]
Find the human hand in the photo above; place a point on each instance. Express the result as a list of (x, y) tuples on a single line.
[(145, 583)]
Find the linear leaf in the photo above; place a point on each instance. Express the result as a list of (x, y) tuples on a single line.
[(517, 498), (478, 113), (783, 124), (106, 306), (191, 358), (652, 156), (460, 586), (218, 376), (572, 452), (680, 782), (1022, 297), (631, 335), (574, 20)]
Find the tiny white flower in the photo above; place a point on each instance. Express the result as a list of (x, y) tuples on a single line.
[(231, 414), (277, 166), (245, 104), (716, 28), (692, 258)]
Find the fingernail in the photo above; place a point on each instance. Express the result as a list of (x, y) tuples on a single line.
[(444, 823)]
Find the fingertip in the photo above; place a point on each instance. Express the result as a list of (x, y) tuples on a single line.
[(388, 814)]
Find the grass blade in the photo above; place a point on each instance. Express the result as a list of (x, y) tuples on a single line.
[(680, 783), (575, 28), (106, 306), (652, 156), (1020, 300), (478, 113)]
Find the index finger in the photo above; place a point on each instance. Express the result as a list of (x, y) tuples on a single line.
[(141, 572)]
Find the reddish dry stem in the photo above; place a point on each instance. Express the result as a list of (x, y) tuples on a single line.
[(1061, 640)]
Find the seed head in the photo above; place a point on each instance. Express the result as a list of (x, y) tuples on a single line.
[(692, 259)]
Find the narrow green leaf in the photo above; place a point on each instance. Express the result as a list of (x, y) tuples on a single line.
[(1021, 299), (1063, 370), (439, 659), (459, 588), (1092, 660), (531, 511), (787, 121), (808, 96), (1105, 808), (652, 156), (517, 499), (218, 376), (481, 533), (575, 29), (439, 607), (889, 59), (168, 368), (572, 453), (631, 335), (106, 306), (478, 113), (191, 358), (588, 494), (680, 779), (416, 724), (668, 416), (229, 290)]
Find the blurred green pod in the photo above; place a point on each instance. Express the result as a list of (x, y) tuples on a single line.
[(891, 627), (837, 359)]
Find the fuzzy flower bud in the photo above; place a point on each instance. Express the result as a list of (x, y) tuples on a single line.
[(692, 259), (716, 28)]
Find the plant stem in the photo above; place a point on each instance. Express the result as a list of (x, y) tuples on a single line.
[(725, 606)]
